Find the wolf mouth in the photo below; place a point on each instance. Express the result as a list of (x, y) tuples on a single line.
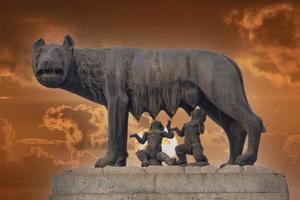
[(50, 77), (50, 71)]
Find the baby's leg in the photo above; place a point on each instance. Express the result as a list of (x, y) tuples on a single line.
[(142, 156), (181, 151), (198, 153), (163, 157)]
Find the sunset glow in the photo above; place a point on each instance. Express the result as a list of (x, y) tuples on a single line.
[(43, 131)]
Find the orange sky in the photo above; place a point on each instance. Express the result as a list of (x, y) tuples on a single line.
[(45, 130)]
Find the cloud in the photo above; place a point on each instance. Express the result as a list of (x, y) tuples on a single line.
[(252, 63), (252, 23), (84, 127), (216, 137), (7, 139), (40, 141), (291, 147), (271, 35), (84, 131), (41, 153), (17, 180), (9, 144), (5, 97), (16, 45), (30, 178)]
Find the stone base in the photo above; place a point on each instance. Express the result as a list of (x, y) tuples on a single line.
[(170, 183)]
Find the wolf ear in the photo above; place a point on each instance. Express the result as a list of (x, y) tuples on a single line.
[(39, 43), (68, 42)]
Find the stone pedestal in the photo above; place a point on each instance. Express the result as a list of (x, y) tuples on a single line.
[(170, 183)]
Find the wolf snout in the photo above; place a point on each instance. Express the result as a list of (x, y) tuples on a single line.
[(49, 71)]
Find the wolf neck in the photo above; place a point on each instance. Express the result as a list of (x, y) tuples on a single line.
[(85, 75)]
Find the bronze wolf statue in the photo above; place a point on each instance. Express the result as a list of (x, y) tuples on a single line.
[(150, 80)]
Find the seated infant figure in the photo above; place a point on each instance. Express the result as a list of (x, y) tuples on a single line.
[(192, 144), (152, 154)]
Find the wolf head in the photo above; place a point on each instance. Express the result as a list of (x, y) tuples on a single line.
[(51, 62)]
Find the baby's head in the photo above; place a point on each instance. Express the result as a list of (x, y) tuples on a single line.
[(198, 114), (156, 125)]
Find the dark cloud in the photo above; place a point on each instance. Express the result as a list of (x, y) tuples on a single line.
[(15, 56), (7, 139), (155, 24), (17, 176), (295, 77), (84, 126), (286, 56), (160, 24), (291, 147), (271, 50), (264, 62), (271, 33), (29, 179), (278, 30)]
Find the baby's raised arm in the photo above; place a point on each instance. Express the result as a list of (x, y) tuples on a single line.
[(141, 140), (179, 132), (170, 133)]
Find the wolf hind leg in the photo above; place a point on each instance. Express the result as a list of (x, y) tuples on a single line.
[(236, 136), (254, 127)]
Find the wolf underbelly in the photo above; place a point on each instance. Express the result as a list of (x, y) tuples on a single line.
[(167, 96)]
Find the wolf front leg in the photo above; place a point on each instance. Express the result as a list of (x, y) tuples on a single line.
[(116, 154)]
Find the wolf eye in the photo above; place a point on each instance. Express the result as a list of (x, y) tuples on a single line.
[(60, 54), (39, 53)]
